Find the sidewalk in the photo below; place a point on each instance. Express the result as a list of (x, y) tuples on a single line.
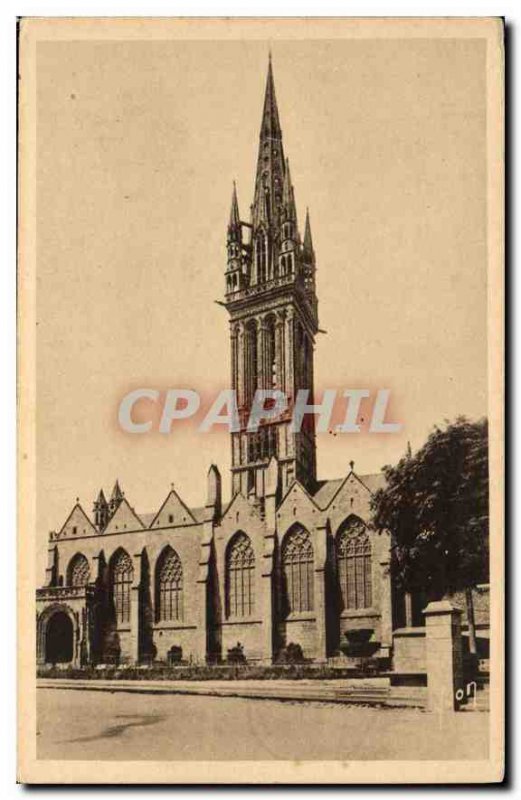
[(369, 691)]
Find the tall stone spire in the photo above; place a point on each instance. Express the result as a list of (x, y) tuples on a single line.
[(271, 300), (270, 163), (235, 220)]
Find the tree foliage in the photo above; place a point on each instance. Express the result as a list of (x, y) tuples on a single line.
[(435, 506)]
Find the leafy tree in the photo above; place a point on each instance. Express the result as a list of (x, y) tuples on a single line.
[(435, 507)]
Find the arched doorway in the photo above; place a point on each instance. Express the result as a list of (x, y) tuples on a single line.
[(59, 638)]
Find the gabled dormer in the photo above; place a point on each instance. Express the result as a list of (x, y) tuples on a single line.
[(76, 524), (124, 519), (174, 512)]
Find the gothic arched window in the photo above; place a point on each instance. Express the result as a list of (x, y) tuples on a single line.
[(169, 586), (240, 577), (78, 573), (354, 564), (297, 570), (122, 575)]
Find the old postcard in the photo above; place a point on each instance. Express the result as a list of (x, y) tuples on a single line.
[(261, 400)]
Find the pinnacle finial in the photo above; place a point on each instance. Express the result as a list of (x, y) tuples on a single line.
[(352, 465), (234, 211), (117, 494), (308, 241)]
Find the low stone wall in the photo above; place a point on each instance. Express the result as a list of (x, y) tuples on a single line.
[(409, 653), (481, 600), (409, 643)]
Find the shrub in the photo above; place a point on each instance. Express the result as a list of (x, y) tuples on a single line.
[(358, 644), (236, 655), (175, 654), (204, 672), (359, 635), (291, 654)]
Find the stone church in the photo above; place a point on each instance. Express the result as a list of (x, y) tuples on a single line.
[(290, 558)]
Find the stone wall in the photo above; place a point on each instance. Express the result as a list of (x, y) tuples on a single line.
[(184, 636), (409, 650), (481, 599), (302, 631), (201, 538), (248, 634)]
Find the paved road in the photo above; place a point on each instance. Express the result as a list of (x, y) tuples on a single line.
[(119, 726)]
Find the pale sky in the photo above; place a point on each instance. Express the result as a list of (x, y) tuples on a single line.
[(137, 147)]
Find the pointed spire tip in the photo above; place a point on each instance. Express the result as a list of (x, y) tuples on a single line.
[(234, 211), (308, 241)]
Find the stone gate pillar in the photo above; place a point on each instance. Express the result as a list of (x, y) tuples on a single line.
[(386, 619), (386, 600), (444, 657)]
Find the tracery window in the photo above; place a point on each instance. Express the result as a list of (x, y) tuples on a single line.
[(297, 571), (122, 577), (169, 587), (240, 577), (79, 571), (354, 564)]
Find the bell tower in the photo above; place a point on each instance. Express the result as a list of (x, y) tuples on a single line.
[(271, 299)]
